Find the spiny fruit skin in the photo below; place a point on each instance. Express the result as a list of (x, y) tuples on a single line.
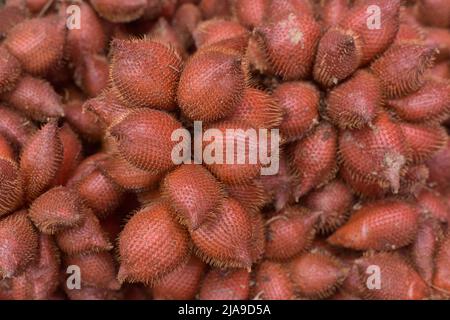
[(316, 274), (10, 16), (439, 38), (92, 74), (182, 283), (333, 203), (185, 20), (151, 152), (57, 209), (226, 240), (211, 84), (399, 281), (259, 109), (193, 193), (40, 160), (19, 244), (84, 122), (439, 167), (97, 269), (215, 31), (380, 225), (38, 43), (250, 13), (442, 269), (72, 154), (10, 70), (375, 154), (252, 196), (238, 172), (84, 238), (434, 12), (145, 73), (289, 42), (11, 186), (162, 31), (120, 11), (231, 284), (332, 11), (350, 105), (429, 104), (15, 127), (300, 104), (272, 282), (431, 202), (151, 245), (314, 159), (41, 278), (36, 98), (402, 67), (289, 233), (424, 141)]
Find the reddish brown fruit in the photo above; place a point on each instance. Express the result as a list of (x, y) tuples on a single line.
[(38, 43), (289, 233), (434, 12), (441, 277), (145, 73), (6, 149), (211, 84), (375, 154), (250, 13), (36, 98), (128, 176), (381, 225), (97, 269), (332, 11), (72, 154), (40, 160), (439, 38), (217, 30), (15, 127), (429, 104), (84, 122), (120, 11), (10, 16), (332, 203), (87, 237), (243, 167), (432, 203), (186, 19), (258, 246), (401, 69), (40, 280), (259, 109), (316, 274), (314, 159), (366, 189), (151, 245), (289, 42), (148, 152), (100, 193), (92, 74), (86, 167), (11, 189), (300, 104), (252, 196), (92, 293), (226, 240), (215, 8), (57, 209), (423, 141), (162, 31), (439, 167), (182, 283), (193, 193), (423, 249), (399, 281), (351, 105), (10, 70), (232, 284), (272, 282), (19, 244)]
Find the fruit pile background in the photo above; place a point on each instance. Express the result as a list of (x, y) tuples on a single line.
[(87, 179)]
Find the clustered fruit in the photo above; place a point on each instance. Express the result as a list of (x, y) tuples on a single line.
[(87, 178)]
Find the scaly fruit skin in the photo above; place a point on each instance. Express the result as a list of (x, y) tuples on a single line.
[(226, 240), (316, 274), (57, 209), (380, 225), (433, 203), (333, 203), (151, 245), (314, 159), (20, 243), (332, 11), (289, 233), (182, 283), (231, 284), (441, 277), (272, 282), (250, 13), (439, 167), (10, 70), (252, 196), (351, 106), (193, 193), (120, 11), (216, 31), (300, 104), (185, 20), (149, 152), (15, 127), (10, 16), (434, 12), (11, 186), (289, 41), (145, 73), (399, 281), (200, 96)]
